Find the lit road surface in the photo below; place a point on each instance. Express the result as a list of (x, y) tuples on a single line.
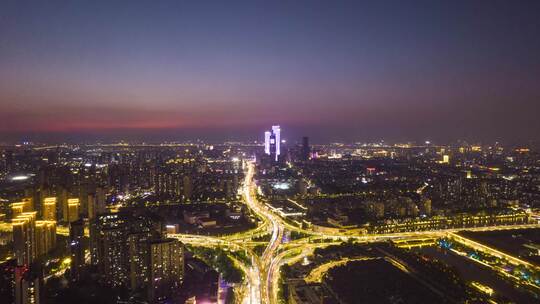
[(277, 233), (254, 274), (277, 227), (262, 276)]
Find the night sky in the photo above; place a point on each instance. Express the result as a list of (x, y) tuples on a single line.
[(332, 70)]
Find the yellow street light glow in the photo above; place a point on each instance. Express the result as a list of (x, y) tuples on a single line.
[(483, 288)]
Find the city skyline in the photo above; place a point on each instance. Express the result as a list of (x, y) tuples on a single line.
[(269, 152), (335, 72)]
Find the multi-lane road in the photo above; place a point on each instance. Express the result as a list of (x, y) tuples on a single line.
[(262, 276)]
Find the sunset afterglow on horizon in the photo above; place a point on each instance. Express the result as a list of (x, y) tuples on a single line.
[(398, 72)]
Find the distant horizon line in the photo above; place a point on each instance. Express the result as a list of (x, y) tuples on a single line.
[(200, 141)]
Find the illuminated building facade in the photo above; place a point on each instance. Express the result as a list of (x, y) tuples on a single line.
[(24, 227), (118, 244), (49, 209), (17, 209), (139, 256), (73, 209), (45, 237), (166, 268), (446, 159), (267, 136), (272, 142)]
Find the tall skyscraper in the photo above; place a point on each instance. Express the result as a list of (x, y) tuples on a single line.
[(73, 209), (63, 203), (21, 241), (139, 257), (306, 150), (49, 209), (166, 268), (24, 227), (272, 142), (92, 205), (130, 251), (45, 237), (114, 239), (188, 187), (267, 136), (76, 247)]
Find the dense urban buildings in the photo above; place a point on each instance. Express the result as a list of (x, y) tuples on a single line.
[(216, 222), (277, 152)]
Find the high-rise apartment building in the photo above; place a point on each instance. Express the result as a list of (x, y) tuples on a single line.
[(76, 247), (73, 209), (24, 226), (166, 268), (45, 237), (49, 208), (130, 251)]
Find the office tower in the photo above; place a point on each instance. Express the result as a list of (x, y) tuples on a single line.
[(73, 209), (76, 247), (272, 142), (166, 268), (49, 209), (276, 131), (306, 150)]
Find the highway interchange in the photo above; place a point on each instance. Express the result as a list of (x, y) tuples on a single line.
[(262, 276)]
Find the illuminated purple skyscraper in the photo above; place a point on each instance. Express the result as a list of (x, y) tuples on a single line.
[(267, 135), (272, 141)]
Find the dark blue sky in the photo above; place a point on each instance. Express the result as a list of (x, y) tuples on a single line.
[(334, 70)]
